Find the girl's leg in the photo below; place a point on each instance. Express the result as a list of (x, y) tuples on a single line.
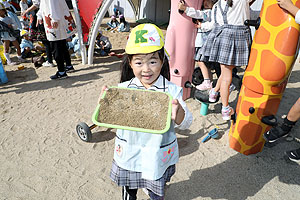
[(128, 194), (226, 73), (154, 196), (6, 54), (206, 73), (17, 45)]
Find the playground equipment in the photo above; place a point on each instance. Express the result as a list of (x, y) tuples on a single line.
[(273, 53), (180, 44)]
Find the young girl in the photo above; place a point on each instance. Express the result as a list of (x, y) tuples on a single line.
[(202, 34), (145, 160), (228, 44), (124, 26), (113, 23), (8, 37)]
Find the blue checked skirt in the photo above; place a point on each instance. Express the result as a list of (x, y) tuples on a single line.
[(197, 53), (134, 180), (228, 45)]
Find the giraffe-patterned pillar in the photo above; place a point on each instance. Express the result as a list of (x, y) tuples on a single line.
[(273, 53)]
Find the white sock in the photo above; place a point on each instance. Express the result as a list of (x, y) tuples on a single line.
[(206, 81), (225, 108), (19, 57), (6, 55)]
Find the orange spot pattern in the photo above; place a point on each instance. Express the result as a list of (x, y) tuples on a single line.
[(255, 149), (268, 108), (272, 68), (275, 10), (262, 36), (278, 89), (245, 107), (234, 144), (252, 60), (252, 82), (281, 39), (249, 132)]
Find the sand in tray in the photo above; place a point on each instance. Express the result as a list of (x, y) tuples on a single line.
[(134, 108)]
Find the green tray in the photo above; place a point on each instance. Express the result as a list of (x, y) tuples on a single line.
[(138, 129)]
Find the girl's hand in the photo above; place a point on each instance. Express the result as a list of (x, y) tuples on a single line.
[(104, 88), (198, 25), (285, 4), (181, 6), (177, 112)]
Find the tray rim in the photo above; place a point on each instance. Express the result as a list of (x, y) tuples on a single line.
[(168, 122)]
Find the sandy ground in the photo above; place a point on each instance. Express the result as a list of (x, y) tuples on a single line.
[(42, 157)]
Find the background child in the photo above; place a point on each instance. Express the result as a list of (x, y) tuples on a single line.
[(8, 37), (202, 34), (113, 23), (124, 26), (27, 46), (228, 44), (103, 44), (139, 160)]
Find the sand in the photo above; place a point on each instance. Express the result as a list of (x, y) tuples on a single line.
[(41, 156)]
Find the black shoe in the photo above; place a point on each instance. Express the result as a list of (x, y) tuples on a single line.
[(69, 68), (293, 156), (274, 134), (58, 76)]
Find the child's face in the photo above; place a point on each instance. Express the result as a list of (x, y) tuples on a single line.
[(146, 67), (26, 37)]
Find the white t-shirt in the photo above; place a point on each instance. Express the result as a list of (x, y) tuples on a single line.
[(236, 15)]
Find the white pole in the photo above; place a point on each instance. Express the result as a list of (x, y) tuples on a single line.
[(104, 7), (79, 30)]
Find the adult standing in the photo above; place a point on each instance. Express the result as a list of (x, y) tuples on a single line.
[(59, 25)]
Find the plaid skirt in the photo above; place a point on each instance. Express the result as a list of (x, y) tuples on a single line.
[(133, 180), (228, 45), (197, 53)]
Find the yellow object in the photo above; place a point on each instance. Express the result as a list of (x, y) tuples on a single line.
[(273, 53), (23, 32), (3, 59), (42, 45), (144, 38), (2, 7), (21, 67)]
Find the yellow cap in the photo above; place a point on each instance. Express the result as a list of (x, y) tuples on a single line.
[(144, 38), (2, 7), (23, 32)]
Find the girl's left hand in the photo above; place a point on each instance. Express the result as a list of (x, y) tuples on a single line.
[(104, 88), (177, 112)]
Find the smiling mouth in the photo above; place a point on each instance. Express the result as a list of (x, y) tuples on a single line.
[(147, 76)]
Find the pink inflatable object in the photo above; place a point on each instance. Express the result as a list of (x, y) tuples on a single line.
[(180, 44)]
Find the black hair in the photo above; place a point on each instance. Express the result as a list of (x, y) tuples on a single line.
[(122, 20), (230, 3), (127, 73)]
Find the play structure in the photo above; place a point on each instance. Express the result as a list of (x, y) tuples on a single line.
[(180, 44), (273, 53)]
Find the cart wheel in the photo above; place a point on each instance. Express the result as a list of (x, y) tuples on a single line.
[(84, 132)]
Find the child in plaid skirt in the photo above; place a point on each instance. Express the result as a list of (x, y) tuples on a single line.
[(228, 44)]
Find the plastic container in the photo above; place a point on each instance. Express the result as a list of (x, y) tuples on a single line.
[(3, 77), (168, 116), (203, 109)]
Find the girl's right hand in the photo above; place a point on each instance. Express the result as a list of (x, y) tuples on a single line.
[(104, 88), (181, 6)]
